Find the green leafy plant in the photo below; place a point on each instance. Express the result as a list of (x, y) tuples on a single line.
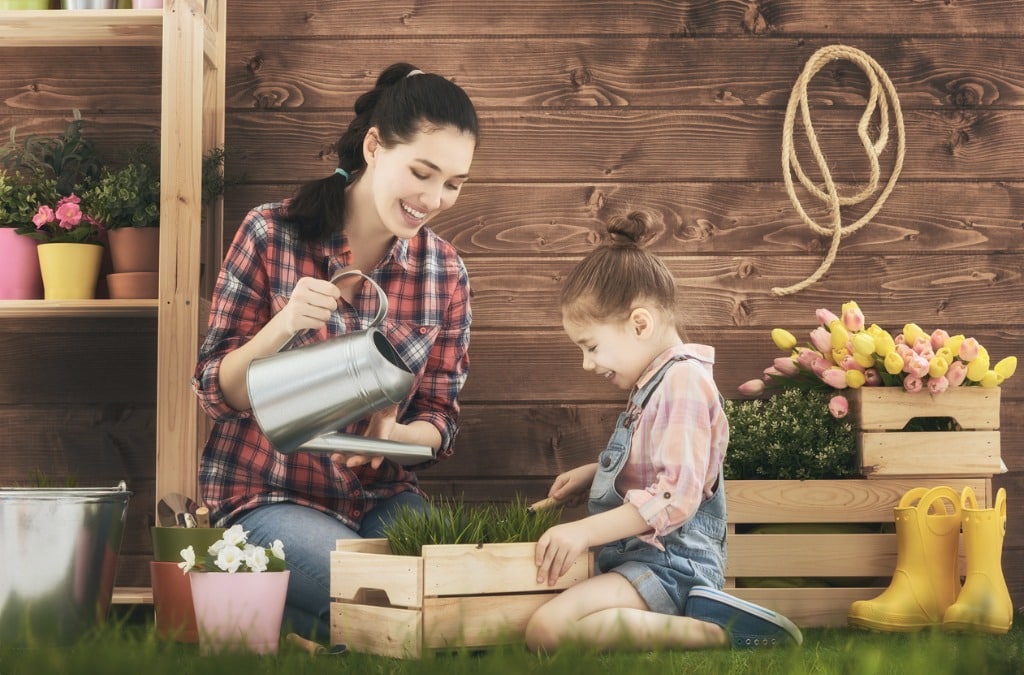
[(69, 158), (21, 195), (127, 197), (790, 435), (451, 521)]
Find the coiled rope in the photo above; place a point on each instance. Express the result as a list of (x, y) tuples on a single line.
[(882, 96)]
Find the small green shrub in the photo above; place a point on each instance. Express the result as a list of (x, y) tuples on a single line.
[(791, 435), (452, 521)]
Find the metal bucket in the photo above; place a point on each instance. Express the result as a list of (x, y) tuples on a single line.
[(59, 549), (299, 394)]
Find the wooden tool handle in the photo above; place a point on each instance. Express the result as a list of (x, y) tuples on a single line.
[(202, 517), (546, 503)]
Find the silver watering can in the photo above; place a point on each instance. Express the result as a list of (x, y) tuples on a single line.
[(301, 396)]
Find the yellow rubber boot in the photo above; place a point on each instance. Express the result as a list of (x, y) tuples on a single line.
[(927, 579), (984, 605)]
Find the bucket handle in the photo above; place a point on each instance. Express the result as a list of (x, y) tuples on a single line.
[(382, 305)]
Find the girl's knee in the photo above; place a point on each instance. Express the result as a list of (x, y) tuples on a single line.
[(543, 630)]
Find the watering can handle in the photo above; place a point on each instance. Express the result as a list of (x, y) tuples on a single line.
[(382, 304)]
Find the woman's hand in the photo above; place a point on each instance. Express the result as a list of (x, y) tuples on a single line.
[(382, 423), (558, 548), (310, 306)]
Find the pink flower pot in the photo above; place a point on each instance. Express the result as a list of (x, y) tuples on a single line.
[(19, 275), (239, 612), (147, 4)]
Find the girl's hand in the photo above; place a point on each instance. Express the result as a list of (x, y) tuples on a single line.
[(558, 549), (572, 486), (310, 306)]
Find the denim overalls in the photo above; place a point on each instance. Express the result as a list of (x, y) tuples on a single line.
[(694, 554)]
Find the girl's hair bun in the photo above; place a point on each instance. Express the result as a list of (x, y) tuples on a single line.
[(630, 230)]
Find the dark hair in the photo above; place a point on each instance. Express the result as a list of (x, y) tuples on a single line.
[(400, 106), (606, 284)]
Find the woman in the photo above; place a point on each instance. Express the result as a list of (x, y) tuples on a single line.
[(402, 160)]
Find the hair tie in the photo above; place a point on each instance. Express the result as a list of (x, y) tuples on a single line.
[(415, 71), (341, 172)]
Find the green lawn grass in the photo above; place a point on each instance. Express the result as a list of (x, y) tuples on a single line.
[(128, 644)]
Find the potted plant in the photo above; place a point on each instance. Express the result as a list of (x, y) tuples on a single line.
[(20, 197), (70, 249), (238, 593), (69, 158), (127, 202)]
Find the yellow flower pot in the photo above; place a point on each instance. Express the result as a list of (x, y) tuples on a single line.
[(70, 271)]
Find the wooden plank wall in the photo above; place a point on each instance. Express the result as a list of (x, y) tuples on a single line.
[(589, 109)]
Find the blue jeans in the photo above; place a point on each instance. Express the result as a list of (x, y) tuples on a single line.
[(309, 537)]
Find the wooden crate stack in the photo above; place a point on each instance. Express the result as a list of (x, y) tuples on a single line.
[(452, 596), (822, 543)]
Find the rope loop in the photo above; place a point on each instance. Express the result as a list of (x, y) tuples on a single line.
[(882, 98)]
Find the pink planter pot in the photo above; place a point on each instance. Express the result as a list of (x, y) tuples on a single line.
[(19, 275), (239, 612), (147, 4)]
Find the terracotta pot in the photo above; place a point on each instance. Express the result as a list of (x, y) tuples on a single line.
[(172, 603), (69, 271), (135, 249), (239, 612), (133, 285), (19, 275)]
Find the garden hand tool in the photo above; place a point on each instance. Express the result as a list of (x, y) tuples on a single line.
[(546, 503), (314, 648), (927, 579), (984, 605), (172, 509)]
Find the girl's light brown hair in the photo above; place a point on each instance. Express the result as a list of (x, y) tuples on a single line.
[(615, 277)]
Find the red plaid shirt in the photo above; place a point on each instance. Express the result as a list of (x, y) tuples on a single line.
[(428, 322)]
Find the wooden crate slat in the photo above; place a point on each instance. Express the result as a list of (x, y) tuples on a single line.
[(890, 408), (491, 568), (387, 631), (399, 576), (821, 555), (954, 453), (478, 621), (809, 607)]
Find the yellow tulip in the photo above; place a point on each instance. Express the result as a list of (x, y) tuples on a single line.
[(864, 360), (838, 355), (977, 369), (991, 379), (839, 335), (893, 363), (938, 366), (873, 330), (863, 344), (946, 354), (953, 343), (854, 379), (884, 344), (783, 339), (911, 332), (1007, 367)]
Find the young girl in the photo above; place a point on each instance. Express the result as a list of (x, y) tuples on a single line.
[(402, 160), (657, 501)]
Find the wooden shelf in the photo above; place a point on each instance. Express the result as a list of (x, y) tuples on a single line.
[(70, 28), (36, 309)]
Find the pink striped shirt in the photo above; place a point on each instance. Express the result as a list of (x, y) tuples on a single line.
[(679, 442)]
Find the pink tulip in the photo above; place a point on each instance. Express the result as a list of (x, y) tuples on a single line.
[(853, 318), (820, 365), (752, 388), (850, 363), (839, 406), (821, 339), (807, 357), (923, 346), (913, 384), (969, 349), (937, 385), (917, 366), (939, 338), (834, 377), (825, 317), (905, 352), (770, 372), (872, 378), (786, 366), (957, 373)]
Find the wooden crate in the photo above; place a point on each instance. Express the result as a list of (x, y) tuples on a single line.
[(840, 561), (451, 596), (880, 413)]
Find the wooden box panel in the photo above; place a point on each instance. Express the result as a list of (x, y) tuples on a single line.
[(818, 570), (451, 596), (881, 413)]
